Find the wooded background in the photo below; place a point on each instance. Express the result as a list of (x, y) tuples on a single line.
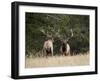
[(35, 22)]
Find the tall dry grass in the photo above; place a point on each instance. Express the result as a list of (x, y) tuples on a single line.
[(77, 60)]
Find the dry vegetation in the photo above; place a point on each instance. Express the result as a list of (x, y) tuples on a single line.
[(77, 60)]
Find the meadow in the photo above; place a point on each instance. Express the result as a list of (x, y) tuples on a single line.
[(56, 61)]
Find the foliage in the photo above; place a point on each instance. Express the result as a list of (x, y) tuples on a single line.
[(50, 23)]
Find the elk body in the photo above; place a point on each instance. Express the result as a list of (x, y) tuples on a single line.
[(65, 48), (48, 47)]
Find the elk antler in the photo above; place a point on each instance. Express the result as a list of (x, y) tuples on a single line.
[(71, 35), (45, 32), (58, 34)]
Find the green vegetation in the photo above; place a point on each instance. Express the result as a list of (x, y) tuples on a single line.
[(51, 23)]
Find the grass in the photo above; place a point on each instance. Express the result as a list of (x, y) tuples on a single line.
[(77, 60)]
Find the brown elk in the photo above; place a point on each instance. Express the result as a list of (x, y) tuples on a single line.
[(48, 44), (65, 47)]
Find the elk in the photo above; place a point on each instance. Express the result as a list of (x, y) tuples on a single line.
[(48, 44), (65, 47)]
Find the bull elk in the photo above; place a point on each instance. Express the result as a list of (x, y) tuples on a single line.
[(65, 47), (48, 44)]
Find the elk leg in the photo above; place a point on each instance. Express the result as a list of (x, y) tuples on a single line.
[(42, 53), (51, 51), (65, 54)]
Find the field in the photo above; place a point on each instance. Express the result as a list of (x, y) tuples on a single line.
[(77, 60)]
